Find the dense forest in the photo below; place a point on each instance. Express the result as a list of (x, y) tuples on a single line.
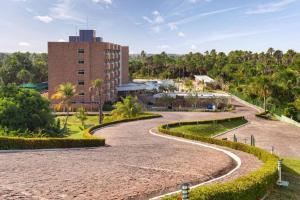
[(269, 79), (23, 68)]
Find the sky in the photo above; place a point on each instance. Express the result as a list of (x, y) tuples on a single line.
[(173, 26)]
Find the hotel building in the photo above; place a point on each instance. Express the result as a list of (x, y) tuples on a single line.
[(86, 58)]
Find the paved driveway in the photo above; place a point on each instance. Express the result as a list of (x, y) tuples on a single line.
[(284, 137), (135, 165)]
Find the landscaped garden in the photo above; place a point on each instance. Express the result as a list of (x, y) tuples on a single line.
[(209, 128), (250, 186), (27, 122)]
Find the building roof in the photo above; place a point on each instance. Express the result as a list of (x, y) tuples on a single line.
[(200, 95), (131, 87), (204, 78)]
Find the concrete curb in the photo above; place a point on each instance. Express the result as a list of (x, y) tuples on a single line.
[(230, 154)]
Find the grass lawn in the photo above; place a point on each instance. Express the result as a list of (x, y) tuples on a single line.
[(291, 173), (209, 129), (74, 124)]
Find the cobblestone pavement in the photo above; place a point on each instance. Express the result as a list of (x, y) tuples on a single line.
[(284, 137), (135, 164)]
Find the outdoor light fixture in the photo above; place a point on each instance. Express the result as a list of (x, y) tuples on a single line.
[(280, 182), (185, 189)]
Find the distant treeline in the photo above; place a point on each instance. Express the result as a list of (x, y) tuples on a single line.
[(270, 79), (23, 68)]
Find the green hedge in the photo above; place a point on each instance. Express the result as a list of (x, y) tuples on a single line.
[(249, 187), (149, 116), (48, 143), (88, 139)]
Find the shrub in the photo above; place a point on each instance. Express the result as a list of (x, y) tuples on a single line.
[(47, 143), (128, 108), (266, 115), (24, 110), (88, 139), (249, 187)]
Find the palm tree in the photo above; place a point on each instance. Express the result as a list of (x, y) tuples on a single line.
[(97, 84), (64, 93), (262, 86), (24, 76)]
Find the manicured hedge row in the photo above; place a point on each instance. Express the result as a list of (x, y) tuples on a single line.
[(88, 139), (249, 187), (147, 116), (176, 124), (48, 143)]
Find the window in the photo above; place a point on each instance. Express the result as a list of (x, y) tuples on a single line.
[(81, 61), (80, 72), (80, 82), (80, 50), (81, 94)]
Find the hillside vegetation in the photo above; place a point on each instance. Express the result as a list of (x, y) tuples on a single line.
[(269, 79)]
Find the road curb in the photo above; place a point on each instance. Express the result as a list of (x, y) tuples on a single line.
[(230, 154)]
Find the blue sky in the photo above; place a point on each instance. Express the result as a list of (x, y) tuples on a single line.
[(174, 26)]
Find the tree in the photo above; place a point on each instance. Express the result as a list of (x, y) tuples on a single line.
[(262, 86), (97, 84), (65, 93), (188, 84), (24, 110), (127, 108), (81, 115), (24, 76)]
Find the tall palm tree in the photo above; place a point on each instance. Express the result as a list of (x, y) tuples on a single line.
[(97, 84), (262, 87), (64, 93)]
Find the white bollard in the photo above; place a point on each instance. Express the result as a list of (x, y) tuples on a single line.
[(280, 182), (185, 189)]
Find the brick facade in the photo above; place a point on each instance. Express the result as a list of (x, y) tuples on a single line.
[(81, 61)]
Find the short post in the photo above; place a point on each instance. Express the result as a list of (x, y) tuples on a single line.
[(280, 182), (252, 140), (234, 138), (279, 163), (185, 191), (273, 149)]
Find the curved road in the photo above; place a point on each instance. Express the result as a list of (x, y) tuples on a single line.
[(135, 165)]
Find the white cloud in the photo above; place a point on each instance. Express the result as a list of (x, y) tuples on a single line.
[(196, 17), (61, 40), (155, 21), (24, 44), (163, 46), (270, 7), (193, 47), (196, 1), (148, 19), (227, 35), (64, 10), (155, 12), (156, 18), (181, 34), (172, 26), (108, 2), (45, 19)]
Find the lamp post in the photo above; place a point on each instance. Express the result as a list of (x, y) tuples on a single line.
[(185, 189), (280, 182)]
